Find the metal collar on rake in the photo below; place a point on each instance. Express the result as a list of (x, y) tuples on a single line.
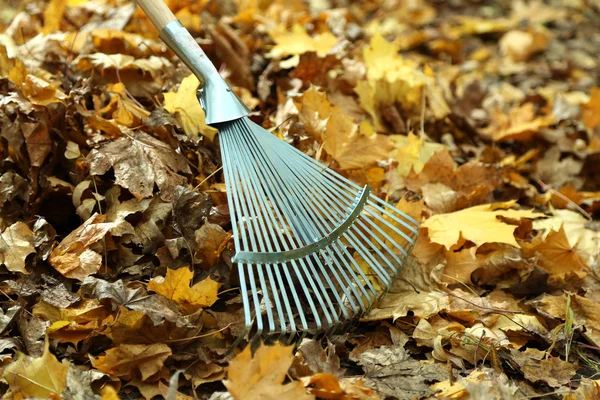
[(252, 257)]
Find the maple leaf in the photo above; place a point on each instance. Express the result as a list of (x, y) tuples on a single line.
[(339, 132), (73, 257), (139, 162), (479, 224), (186, 107), (126, 358), (299, 42), (350, 148), (412, 152), (559, 258), (261, 377), (390, 80), (176, 286), (16, 243), (41, 377)]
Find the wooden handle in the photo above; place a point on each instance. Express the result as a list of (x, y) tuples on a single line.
[(157, 11)]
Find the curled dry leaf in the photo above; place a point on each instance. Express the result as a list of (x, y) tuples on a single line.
[(74, 257)]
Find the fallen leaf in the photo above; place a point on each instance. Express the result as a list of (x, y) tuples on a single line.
[(586, 312), (348, 147), (298, 41), (390, 80), (536, 366), (559, 258), (176, 286), (41, 377), (479, 224), (140, 161), (412, 152), (392, 372), (73, 257), (123, 360), (261, 377), (184, 104), (16, 243)]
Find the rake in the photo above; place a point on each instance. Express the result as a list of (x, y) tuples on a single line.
[(314, 251)]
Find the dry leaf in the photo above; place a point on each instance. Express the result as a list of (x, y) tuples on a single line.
[(261, 377), (41, 377), (16, 243), (536, 366), (128, 358), (184, 104), (479, 224), (73, 257), (140, 161), (299, 42), (176, 286)]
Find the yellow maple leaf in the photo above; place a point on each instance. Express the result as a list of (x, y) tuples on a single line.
[(390, 79), (412, 152), (186, 107), (261, 377), (479, 224), (42, 377), (176, 286), (298, 41)]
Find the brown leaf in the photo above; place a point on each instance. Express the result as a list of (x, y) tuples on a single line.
[(537, 366), (140, 161), (124, 360), (392, 372), (73, 257)]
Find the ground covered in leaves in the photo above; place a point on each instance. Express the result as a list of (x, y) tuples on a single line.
[(479, 118)]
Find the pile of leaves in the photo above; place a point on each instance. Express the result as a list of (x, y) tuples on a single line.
[(480, 119)]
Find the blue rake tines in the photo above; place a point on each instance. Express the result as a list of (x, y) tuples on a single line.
[(314, 250)]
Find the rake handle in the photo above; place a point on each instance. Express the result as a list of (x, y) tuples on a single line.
[(158, 12)]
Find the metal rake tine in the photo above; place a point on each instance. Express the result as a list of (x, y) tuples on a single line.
[(321, 223), (267, 161)]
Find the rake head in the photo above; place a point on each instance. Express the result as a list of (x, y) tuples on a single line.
[(314, 250)]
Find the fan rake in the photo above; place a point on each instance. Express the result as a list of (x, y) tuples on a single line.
[(314, 250)]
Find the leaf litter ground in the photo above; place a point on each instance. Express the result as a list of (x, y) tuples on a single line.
[(480, 119)]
